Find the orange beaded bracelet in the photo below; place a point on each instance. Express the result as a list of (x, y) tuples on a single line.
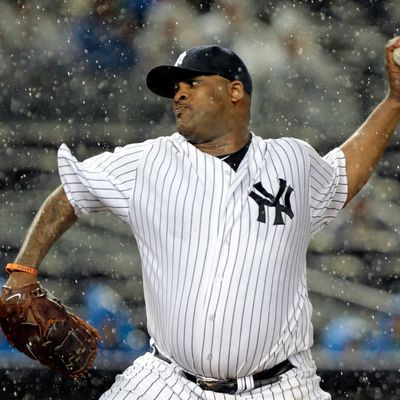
[(20, 267)]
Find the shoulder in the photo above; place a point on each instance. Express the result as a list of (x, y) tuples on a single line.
[(151, 143), (138, 147), (148, 151), (290, 143), (287, 145), (282, 141), (129, 153)]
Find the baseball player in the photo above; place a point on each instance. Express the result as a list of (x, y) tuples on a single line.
[(222, 220)]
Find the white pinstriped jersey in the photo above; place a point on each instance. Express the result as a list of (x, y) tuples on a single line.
[(224, 275)]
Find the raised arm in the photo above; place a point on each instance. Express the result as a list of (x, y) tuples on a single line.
[(54, 218), (365, 147)]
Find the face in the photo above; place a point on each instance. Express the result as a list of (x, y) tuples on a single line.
[(202, 107)]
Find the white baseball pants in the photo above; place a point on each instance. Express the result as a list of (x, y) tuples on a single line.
[(150, 378)]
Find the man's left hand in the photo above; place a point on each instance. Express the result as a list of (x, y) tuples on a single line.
[(393, 70)]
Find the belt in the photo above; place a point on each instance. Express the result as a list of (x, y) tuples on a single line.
[(231, 386)]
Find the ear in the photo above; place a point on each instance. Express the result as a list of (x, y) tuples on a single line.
[(236, 91)]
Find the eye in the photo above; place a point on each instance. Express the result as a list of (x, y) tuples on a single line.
[(194, 82), (189, 83)]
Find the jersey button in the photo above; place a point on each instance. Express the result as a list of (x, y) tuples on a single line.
[(227, 173), (212, 317), (209, 357)]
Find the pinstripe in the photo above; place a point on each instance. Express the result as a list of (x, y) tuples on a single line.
[(302, 378), (202, 302), (299, 385), (296, 238), (164, 264), (288, 252), (230, 329), (126, 396), (253, 307), (313, 388), (121, 388), (170, 261), (277, 269), (233, 333), (180, 283), (175, 383), (151, 386), (265, 289), (263, 286), (207, 299), (154, 242), (197, 256), (114, 397), (225, 294), (132, 389), (293, 387), (139, 231)]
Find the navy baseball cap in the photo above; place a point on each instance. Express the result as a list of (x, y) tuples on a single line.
[(201, 60)]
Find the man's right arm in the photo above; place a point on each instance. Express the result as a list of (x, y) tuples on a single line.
[(54, 218)]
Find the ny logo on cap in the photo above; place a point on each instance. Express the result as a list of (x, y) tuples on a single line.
[(179, 61)]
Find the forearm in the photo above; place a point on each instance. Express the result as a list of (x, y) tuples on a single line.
[(54, 218), (365, 147)]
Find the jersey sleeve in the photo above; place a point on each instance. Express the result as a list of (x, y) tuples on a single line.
[(101, 183), (328, 187)]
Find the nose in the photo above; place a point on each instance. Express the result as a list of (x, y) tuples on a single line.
[(181, 92)]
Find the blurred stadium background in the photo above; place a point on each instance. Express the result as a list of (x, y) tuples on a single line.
[(74, 71)]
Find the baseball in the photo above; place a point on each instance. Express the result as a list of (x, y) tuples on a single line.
[(396, 56)]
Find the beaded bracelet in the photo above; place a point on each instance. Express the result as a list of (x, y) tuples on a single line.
[(20, 267)]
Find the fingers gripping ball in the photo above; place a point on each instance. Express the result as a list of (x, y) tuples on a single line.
[(396, 56), (43, 329)]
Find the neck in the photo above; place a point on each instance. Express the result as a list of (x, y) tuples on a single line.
[(225, 144)]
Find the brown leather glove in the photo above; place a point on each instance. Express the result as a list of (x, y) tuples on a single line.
[(43, 329)]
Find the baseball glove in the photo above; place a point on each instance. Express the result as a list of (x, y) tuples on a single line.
[(43, 329)]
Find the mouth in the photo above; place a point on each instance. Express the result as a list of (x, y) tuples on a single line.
[(179, 110)]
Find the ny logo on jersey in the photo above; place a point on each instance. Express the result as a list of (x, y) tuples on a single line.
[(270, 200)]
